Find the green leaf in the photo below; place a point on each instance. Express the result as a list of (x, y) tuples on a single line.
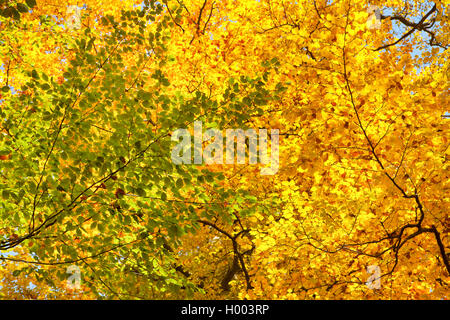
[(34, 74), (22, 7), (30, 3), (140, 192), (179, 183), (10, 12)]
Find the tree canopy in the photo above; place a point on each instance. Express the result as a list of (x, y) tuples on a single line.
[(91, 97)]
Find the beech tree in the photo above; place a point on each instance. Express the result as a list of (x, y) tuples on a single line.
[(357, 208)]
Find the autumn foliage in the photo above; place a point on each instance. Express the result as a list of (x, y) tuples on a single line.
[(86, 178)]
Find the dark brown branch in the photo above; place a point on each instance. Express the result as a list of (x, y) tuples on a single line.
[(46, 263), (7, 72), (209, 17), (317, 10), (441, 248), (198, 21), (417, 26), (173, 19), (238, 263), (414, 196)]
